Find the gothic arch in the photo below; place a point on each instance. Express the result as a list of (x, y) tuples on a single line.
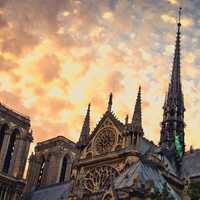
[(10, 150), (108, 197), (3, 130), (64, 167)]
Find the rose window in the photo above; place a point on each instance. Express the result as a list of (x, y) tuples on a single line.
[(105, 141)]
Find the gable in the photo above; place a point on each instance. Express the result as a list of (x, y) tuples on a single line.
[(106, 137)]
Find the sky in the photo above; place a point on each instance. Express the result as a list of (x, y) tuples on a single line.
[(58, 56)]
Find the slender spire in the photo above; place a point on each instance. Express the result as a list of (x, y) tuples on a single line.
[(85, 132), (110, 103), (175, 86), (172, 130), (137, 115)]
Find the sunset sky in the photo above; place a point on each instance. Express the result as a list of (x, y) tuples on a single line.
[(56, 56)]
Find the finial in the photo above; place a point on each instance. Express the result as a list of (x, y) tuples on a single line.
[(110, 103), (139, 90), (179, 16), (88, 110)]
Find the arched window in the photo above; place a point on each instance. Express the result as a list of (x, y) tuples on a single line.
[(63, 169), (41, 173), (10, 151), (2, 134)]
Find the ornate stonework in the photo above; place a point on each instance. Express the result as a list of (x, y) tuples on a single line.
[(97, 178), (105, 141)]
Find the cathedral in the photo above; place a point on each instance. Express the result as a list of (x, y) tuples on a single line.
[(112, 162)]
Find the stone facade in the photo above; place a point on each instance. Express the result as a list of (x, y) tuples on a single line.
[(15, 139), (51, 163)]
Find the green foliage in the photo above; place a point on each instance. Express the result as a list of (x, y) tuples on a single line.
[(194, 191), (163, 195)]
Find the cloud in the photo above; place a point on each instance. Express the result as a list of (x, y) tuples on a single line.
[(48, 67), (115, 82), (58, 55), (173, 1)]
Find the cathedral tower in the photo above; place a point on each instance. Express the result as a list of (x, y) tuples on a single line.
[(172, 126), (15, 139)]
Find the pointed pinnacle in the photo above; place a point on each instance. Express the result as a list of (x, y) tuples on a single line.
[(126, 120), (137, 115), (110, 103), (85, 132)]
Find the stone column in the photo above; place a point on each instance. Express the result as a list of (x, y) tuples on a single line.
[(52, 161), (58, 167), (46, 170), (6, 194), (2, 192), (16, 158), (20, 155), (4, 148), (55, 167), (24, 156), (15, 196), (33, 173), (69, 167)]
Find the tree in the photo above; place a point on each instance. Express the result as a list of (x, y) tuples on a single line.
[(194, 191), (162, 195)]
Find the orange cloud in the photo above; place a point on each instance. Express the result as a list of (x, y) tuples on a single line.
[(61, 57)]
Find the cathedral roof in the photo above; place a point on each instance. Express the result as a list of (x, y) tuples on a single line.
[(146, 146), (59, 140), (191, 164), (57, 191), (140, 173), (15, 116)]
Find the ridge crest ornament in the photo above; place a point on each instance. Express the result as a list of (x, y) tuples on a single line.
[(105, 141)]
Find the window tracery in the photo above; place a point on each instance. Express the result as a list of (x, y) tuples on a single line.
[(105, 140), (98, 178)]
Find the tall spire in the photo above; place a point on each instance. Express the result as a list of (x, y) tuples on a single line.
[(175, 86), (85, 132), (137, 114), (110, 103), (172, 127)]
